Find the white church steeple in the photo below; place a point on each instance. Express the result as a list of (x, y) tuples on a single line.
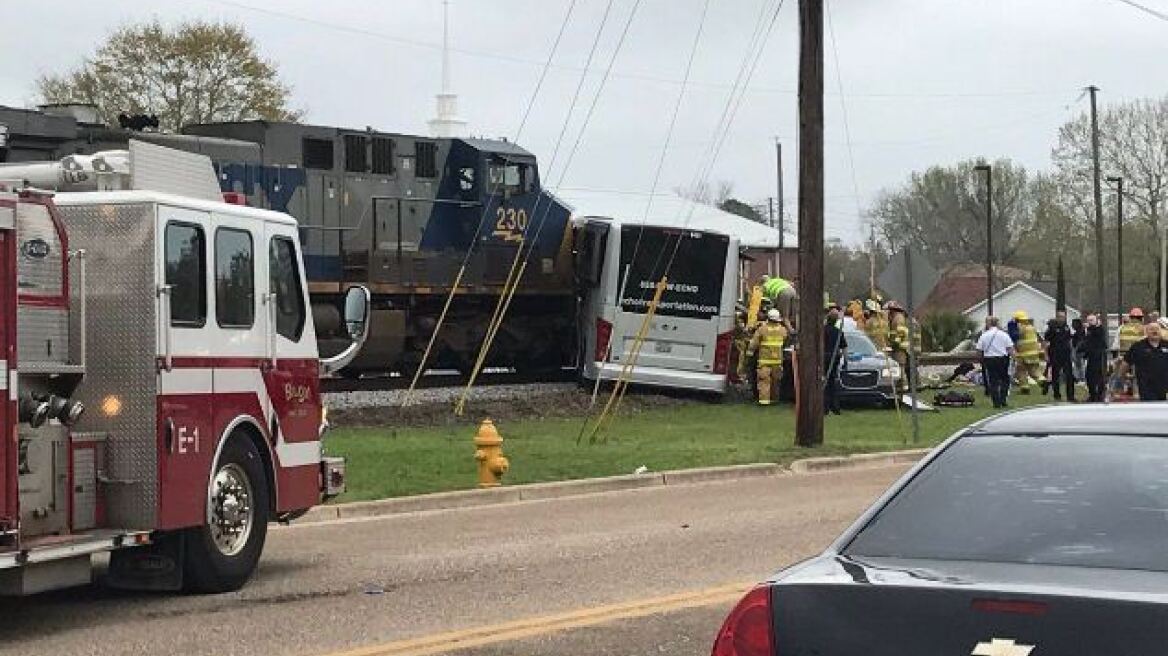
[(446, 122)]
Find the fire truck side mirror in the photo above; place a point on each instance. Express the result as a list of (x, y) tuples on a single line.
[(358, 302)]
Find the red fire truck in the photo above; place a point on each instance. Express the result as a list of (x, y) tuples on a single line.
[(162, 376)]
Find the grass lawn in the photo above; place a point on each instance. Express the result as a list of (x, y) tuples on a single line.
[(388, 462)]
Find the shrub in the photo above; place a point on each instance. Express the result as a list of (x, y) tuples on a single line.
[(942, 331)]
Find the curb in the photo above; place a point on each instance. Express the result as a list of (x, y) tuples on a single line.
[(856, 461), (585, 486)]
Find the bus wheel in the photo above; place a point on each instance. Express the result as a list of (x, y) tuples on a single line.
[(222, 554)]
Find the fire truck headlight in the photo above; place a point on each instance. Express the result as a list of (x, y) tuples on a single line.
[(32, 411), (111, 406), (72, 412)]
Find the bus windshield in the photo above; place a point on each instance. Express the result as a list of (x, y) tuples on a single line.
[(693, 261)]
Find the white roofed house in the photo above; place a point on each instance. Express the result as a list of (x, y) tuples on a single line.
[(1021, 295)]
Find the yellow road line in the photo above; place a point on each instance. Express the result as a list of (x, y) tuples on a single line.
[(439, 643)]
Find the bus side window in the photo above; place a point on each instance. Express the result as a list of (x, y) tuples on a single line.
[(285, 282)]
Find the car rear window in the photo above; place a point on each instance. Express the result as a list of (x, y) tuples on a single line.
[(1094, 501)]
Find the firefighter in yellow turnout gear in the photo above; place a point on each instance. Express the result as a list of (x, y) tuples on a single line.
[(768, 343), (1029, 366), (875, 325), (1130, 332), (898, 327)]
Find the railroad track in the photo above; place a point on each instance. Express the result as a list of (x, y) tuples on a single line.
[(434, 379)]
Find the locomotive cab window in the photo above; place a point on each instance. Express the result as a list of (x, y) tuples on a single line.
[(508, 178), (186, 273), (285, 283), (234, 279), (425, 159)]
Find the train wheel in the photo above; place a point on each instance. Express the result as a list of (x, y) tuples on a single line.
[(222, 554)]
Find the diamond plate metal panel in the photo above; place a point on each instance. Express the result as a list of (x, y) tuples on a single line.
[(122, 347), (43, 335), (38, 271)]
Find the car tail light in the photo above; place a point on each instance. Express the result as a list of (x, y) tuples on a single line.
[(603, 336), (749, 628), (234, 198), (722, 353)]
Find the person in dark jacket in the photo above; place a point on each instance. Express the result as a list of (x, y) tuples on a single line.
[(1078, 359), (1059, 354), (834, 345), (1095, 350)]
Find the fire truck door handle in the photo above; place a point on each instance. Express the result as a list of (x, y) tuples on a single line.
[(270, 299), (168, 434), (164, 292)]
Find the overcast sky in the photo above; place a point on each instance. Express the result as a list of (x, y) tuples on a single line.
[(924, 81)]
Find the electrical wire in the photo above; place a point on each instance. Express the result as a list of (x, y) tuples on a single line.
[(652, 191), (516, 275), (1147, 10), (421, 367), (746, 70), (639, 77)]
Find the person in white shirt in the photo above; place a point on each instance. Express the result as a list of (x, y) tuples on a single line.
[(996, 349)]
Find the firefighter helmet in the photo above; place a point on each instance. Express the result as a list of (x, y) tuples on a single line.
[(774, 315), (1020, 315)]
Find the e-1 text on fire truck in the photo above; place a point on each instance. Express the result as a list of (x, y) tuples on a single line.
[(161, 370)]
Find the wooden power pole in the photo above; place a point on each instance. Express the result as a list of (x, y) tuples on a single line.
[(1100, 302), (809, 417)]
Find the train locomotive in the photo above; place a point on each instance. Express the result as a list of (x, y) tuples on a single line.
[(398, 214)]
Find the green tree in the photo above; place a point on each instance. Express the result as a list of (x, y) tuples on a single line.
[(942, 212), (196, 72)]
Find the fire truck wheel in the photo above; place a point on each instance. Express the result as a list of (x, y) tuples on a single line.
[(221, 556)]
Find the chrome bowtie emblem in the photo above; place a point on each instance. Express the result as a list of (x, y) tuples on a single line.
[(1000, 647)]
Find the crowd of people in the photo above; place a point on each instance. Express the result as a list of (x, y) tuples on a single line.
[(761, 345), (1066, 356)]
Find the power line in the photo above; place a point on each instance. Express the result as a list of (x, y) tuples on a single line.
[(839, 78), (641, 77), (1147, 10)]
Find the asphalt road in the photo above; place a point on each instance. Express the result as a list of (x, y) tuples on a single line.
[(640, 572)]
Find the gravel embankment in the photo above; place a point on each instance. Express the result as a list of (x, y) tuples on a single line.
[(435, 406)]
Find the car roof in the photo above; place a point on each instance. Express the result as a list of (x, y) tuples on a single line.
[(1095, 419)]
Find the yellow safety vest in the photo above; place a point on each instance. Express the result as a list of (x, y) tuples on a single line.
[(1028, 350), (898, 338), (769, 339), (877, 330), (1130, 333)]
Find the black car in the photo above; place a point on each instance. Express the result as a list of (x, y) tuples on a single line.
[(1042, 532), (868, 375)]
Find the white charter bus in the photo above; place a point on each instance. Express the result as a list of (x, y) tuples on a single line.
[(688, 341)]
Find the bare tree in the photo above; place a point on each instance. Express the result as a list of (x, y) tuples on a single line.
[(1133, 144), (196, 72), (942, 212)]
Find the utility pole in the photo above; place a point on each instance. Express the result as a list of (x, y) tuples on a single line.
[(1093, 90), (1118, 181), (770, 211), (872, 261), (989, 171), (779, 185), (809, 417)]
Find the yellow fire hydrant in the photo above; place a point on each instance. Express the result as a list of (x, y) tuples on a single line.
[(489, 453)]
